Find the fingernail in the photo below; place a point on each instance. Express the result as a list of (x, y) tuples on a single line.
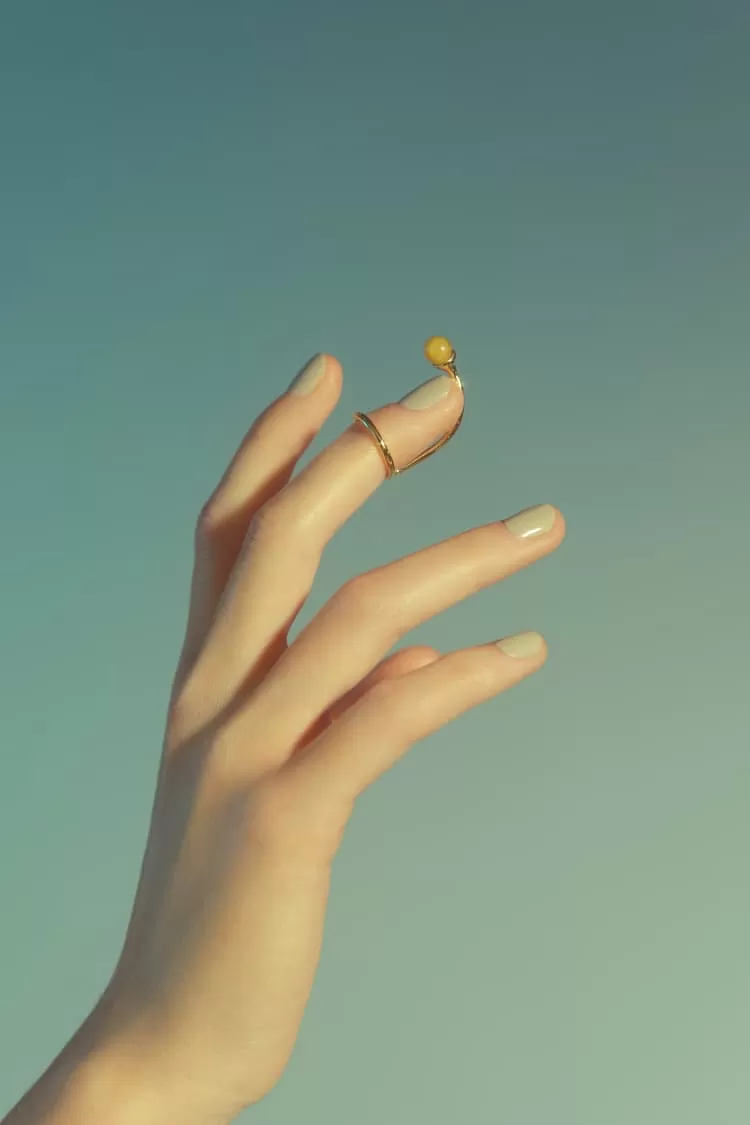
[(521, 644), (428, 393), (532, 521), (309, 377)]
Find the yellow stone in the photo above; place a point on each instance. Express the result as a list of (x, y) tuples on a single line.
[(438, 350)]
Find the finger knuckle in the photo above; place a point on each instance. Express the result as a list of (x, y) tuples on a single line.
[(365, 597), (207, 521), (184, 713), (272, 521)]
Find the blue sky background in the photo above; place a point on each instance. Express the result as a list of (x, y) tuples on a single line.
[(541, 914)]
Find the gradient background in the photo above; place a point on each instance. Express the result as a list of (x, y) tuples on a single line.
[(542, 914)]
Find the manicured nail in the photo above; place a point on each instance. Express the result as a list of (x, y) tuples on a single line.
[(428, 393), (521, 644), (532, 521), (309, 376)]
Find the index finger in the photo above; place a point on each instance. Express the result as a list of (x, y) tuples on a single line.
[(281, 554)]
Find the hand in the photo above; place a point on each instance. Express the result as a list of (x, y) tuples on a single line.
[(268, 745)]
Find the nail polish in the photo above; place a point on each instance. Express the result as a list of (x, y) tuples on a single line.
[(519, 645), (428, 393), (532, 521), (309, 377)]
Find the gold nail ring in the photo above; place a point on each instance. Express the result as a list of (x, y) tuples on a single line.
[(441, 354)]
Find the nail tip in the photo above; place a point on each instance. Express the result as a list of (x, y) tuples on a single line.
[(521, 645)]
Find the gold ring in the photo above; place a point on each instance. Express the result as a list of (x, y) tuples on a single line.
[(441, 354)]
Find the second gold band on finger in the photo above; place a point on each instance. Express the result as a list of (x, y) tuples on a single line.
[(441, 354)]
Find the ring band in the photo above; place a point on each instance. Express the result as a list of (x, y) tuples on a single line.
[(441, 354)]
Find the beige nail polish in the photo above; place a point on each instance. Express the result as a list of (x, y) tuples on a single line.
[(532, 521), (309, 377), (521, 644), (428, 393)]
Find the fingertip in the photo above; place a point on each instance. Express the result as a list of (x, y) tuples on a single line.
[(334, 376), (333, 365), (334, 379), (560, 526)]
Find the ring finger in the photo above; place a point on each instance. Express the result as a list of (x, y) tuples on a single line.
[(320, 783)]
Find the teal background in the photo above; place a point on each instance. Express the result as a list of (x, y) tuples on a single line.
[(542, 913)]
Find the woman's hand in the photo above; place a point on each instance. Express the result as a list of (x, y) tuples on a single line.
[(268, 745)]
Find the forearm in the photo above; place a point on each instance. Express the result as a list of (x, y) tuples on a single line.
[(81, 1085), (90, 1084)]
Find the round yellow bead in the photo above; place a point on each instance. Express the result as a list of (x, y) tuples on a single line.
[(438, 350)]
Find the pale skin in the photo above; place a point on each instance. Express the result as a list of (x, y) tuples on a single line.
[(267, 746)]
